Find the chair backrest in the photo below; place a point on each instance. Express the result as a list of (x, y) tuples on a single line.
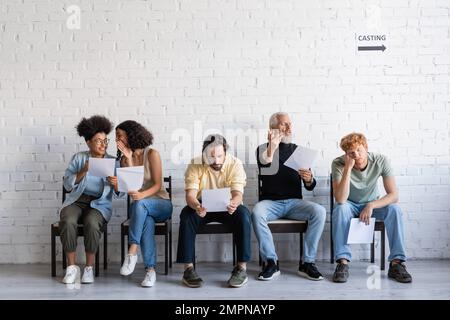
[(64, 192), (168, 186)]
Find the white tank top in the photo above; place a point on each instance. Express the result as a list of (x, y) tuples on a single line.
[(148, 182)]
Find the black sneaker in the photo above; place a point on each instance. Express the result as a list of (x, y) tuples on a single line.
[(398, 272), (341, 273), (309, 271), (191, 278), (270, 271)]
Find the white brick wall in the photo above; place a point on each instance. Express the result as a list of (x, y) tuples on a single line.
[(229, 64)]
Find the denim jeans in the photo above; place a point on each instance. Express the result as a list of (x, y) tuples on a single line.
[(190, 221), (143, 216), (390, 214), (295, 209)]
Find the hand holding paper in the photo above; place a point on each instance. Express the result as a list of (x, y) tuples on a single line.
[(130, 178), (102, 167), (306, 175), (360, 232), (301, 158), (232, 206), (216, 200), (113, 181)]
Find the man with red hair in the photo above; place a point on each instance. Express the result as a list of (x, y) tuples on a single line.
[(355, 176)]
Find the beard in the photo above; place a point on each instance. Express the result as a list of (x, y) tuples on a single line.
[(286, 139), (216, 167)]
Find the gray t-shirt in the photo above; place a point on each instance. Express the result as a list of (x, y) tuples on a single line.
[(363, 184)]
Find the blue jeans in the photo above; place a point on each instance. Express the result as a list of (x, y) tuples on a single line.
[(143, 216), (295, 209), (392, 217)]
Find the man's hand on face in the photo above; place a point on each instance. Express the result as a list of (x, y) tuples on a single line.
[(349, 162)]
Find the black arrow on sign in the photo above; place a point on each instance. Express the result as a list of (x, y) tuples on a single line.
[(372, 48)]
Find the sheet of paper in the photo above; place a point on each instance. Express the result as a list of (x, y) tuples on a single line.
[(130, 178), (216, 200), (302, 158), (102, 167), (360, 232)]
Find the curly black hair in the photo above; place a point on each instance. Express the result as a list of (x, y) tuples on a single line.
[(138, 136), (87, 128)]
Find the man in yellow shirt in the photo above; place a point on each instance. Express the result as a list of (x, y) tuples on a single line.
[(213, 170)]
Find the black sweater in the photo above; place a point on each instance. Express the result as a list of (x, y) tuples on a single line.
[(284, 183)]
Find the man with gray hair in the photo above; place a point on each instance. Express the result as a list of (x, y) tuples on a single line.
[(281, 197)]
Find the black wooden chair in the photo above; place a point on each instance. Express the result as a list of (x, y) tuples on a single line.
[(379, 226), (55, 232), (284, 225), (161, 228), (218, 228)]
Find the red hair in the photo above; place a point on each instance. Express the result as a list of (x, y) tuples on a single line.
[(352, 141)]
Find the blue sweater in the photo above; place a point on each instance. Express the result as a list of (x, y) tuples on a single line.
[(102, 204)]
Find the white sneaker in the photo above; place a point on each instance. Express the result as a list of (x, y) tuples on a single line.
[(71, 274), (150, 279), (88, 275), (128, 264)]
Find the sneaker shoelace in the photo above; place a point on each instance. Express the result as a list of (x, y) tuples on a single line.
[(401, 267), (192, 274), (312, 267), (340, 267), (72, 272), (236, 271), (267, 268)]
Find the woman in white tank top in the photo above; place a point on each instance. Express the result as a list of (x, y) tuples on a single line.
[(151, 203)]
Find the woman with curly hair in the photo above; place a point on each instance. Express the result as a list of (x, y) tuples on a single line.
[(151, 203), (89, 200)]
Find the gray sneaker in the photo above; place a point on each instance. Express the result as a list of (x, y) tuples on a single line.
[(398, 272), (238, 278), (191, 278), (341, 273)]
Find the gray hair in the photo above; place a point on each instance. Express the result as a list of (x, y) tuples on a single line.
[(273, 122)]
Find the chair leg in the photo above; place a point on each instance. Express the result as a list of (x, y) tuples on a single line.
[(53, 253), (331, 243), (260, 260), (234, 252), (97, 262), (122, 245), (170, 247), (64, 260), (105, 248), (166, 255), (372, 250), (383, 248), (301, 247)]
